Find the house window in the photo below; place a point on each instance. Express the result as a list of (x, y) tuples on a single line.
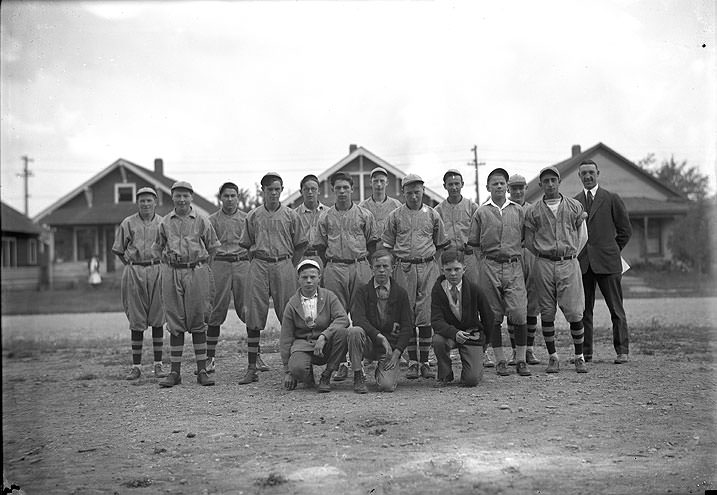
[(653, 238), (124, 193), (32, 251), (9, 251)]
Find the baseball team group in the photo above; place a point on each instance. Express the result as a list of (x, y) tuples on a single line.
[(377, 281)]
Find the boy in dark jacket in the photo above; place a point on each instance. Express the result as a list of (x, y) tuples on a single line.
[(383, 322), (460, 316)]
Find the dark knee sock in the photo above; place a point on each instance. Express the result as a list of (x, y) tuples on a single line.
[(176, 347), (413, 346), (137, 338), (532, 326), (549, 335), (212, 339), (425, 337), (157, 342), (576, 330), (252, 343), (199, 340), (511, 333)]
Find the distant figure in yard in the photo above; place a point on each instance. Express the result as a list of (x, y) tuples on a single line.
[(93, 266), (140, 286), (313, 331)]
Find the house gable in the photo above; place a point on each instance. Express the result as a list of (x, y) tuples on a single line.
[(359, 163)]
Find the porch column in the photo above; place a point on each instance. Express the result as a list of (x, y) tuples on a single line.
[(644, 226), (74, 244)]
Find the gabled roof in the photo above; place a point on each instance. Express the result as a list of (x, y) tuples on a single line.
[(566, 167), (361, 151), (14, 221), (110, 213)]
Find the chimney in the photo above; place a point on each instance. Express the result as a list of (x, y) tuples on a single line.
[(575, 151), (352, 148), (158, 166)]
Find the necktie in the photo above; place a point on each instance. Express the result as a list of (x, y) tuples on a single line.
[(454, 294), (589, 202)]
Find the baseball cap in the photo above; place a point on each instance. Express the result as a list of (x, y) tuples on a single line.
[(307, 178), (228, 185), (182, 184), (548, 170), (378, 170), (411, 179), (270, 177), (451, 172), (499, 171), (146, 190), (307, 263), (517, 180)]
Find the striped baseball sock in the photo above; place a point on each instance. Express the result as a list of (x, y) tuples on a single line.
[(549, 335), (577, 332), (157, 342), (252, 343), (212, 339), (520, 339), (199, 339), (176, 347), (425, 337), (413, 346), (137, 338), (532, 327)]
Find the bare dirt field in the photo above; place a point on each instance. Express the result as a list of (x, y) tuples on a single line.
[(71, 424)]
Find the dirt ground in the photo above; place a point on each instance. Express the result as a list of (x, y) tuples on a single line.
[(71, 424)]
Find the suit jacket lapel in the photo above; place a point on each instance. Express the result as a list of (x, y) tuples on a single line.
[(320, 301), (598, 200)]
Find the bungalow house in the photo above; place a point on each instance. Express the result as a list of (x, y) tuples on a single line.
[(654, 207), (359, 163), (83, 222), (22, 250)]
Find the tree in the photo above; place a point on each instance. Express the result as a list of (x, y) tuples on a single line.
[(248, 202), (687, 180)]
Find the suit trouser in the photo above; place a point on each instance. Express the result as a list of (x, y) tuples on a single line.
[(611, 288), (360, 347), (300, 361), (471, 360)]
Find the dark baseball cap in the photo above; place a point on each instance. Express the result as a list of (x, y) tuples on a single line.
[(452, 172), (549, 170), (498, 171), (270, 177), (307, 178)]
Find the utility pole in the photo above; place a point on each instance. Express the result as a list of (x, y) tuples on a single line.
[(26, 174), (476, 164)]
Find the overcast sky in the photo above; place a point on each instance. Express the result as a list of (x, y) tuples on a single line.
[(227, 91)]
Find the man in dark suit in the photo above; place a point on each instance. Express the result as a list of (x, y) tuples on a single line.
[(460, 316), (600, 261)]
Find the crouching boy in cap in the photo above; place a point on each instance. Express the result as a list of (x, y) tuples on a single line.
[(383, 320), (313, 331), (459, 316)]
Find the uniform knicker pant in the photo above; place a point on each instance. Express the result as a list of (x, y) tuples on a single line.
[(418, 279), (503, 286), (187, 294), (230, 279), (361, 347), (301, 358), (471, 360), (141, 296), (611, 288), (344, 279), (559, 283), (266, 278)]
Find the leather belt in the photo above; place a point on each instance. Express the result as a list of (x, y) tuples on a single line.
[(556, 258), (195, 264), (145, 263), (346, 261), (415, 261), (233, 258), (503, 259), (271, 259)]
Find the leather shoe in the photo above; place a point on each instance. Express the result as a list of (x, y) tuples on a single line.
[(553, 365), (412, 373), (502, 368), (249, 377), (342, 374), (260, 364), (522, 369), (325, 382), (134, 373), (203, 378), (530, 357), (426, 371), (360, 383), (580, 365), (621, 359), (171, 380)]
